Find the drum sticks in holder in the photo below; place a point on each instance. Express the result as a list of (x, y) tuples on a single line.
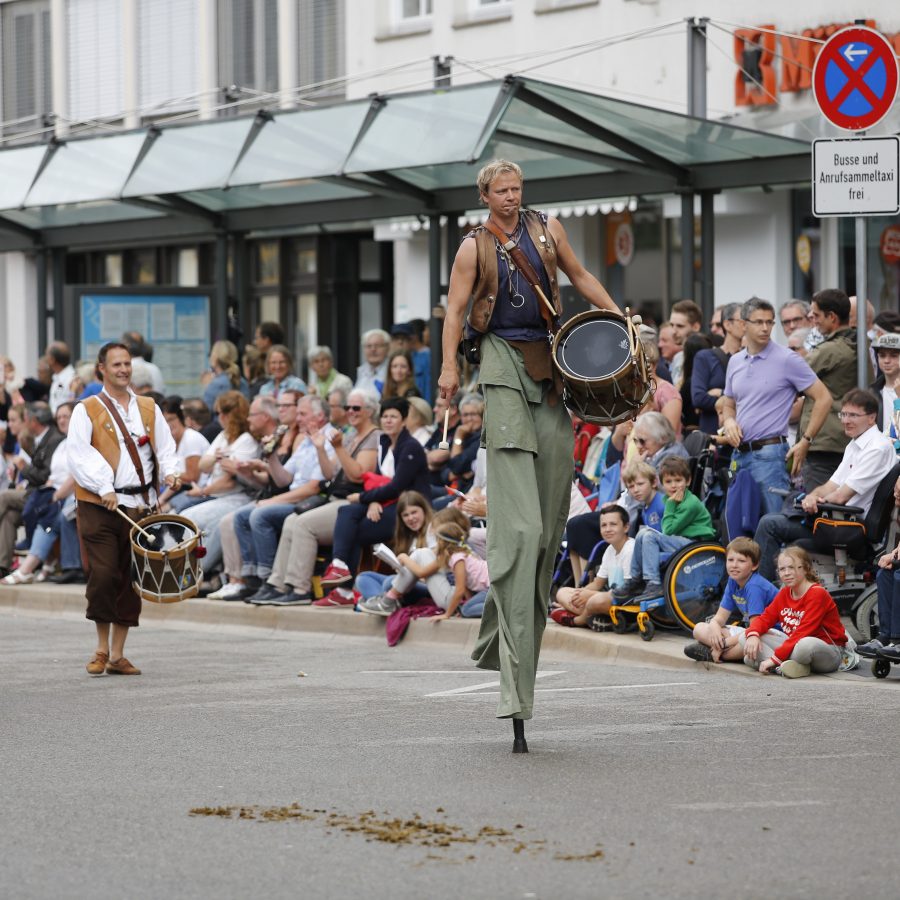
[(151, 538)]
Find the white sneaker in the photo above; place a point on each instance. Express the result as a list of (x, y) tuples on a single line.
[(228, 592)]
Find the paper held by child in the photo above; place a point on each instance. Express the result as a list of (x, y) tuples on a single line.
[(386, 555)]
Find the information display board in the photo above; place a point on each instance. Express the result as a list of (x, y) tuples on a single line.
[(177, 325)]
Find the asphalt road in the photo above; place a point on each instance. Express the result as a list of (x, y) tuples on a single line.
[(641, 781)]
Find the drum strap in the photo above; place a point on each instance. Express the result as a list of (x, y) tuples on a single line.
[(525, 267), (131, 447)]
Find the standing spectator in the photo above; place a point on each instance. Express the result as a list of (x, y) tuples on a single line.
[(793, 315), (887, 353), (37, 390), (254, 368), (834, 363), (323, 376), (421, 356), (686, 317), (715, 323), (400, 380), (668, 345), (60, 361), (226, 375), (815, 337), (710, 366), (280, 369), (401, 335), (142, 355), (797, 340), (760, 387), (886, 322), (372, 374), (268, 334), (690, 414)]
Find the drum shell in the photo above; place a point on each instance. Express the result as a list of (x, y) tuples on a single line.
[(166, 576), (610, 397)]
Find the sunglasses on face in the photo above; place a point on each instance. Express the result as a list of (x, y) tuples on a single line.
[(352, 408)]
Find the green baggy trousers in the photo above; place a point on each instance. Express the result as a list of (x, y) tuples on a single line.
[(529, 473)]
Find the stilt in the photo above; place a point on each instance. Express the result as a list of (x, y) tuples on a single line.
[(519, 744)]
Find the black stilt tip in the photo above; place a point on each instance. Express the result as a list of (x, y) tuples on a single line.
[(519, 744)]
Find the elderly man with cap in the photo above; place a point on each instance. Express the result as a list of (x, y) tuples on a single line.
[(886, 386)]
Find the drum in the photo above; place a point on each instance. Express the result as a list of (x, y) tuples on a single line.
[(606, 376), (167, 569)]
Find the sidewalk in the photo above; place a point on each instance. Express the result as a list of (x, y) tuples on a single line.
[(665, 649)]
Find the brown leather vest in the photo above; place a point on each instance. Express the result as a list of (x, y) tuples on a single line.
[(105, 437), (484, 294)]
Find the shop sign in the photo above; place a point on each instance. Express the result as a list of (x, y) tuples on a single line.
[(890, 244), (803, 252), (619, 239), (856, 177)]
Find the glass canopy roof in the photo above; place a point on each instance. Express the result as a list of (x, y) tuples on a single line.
[(405, 153)]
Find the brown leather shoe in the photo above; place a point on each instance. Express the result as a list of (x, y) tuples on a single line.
[(121, 667), (97, 665)]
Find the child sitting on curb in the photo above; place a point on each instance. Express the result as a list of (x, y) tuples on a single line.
[(812, 638), (577, 605), (685, 520), (746, 594)]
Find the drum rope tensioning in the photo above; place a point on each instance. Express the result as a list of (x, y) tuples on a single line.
[(165, 558)]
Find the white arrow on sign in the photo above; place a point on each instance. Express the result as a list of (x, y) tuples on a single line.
[(851, 53)]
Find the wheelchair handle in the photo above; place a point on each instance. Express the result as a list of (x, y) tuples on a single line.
[(837, 507)]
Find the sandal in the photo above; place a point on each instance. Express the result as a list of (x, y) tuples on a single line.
[(18, 577)]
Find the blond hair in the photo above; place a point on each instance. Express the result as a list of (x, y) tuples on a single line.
[(492, 170), (802, 559), (224, 354), (639, 469)]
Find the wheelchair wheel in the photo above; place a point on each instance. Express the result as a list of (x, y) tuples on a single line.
[(865, 613), (648, 630), (881, 668), (695, 578)]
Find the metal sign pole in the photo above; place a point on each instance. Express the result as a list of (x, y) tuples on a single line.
[(862, 295)]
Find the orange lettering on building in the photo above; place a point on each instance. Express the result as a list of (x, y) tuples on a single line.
[(796, 62), (761, 91)]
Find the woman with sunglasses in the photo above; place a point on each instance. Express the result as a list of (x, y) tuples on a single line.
[(303, 532)]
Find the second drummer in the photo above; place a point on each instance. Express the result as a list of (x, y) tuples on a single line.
[(119, 449), (527, 431)]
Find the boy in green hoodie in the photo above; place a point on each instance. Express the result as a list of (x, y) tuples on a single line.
[(685, 519)]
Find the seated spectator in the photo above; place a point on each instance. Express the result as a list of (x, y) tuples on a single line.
[(9, 397), (746, 595), (258, 527), (323, 376), (579, 604), (466, 441), (652, 440), (420, 419), (190, 445), (866, 460), (37, 390), (887, 384), (59, 486), (413, 534), (400, 381), (665, 399), (371, 514), (223, 493), (887, 642), (372, 373), (16, 436), (280, 369), (226, 375), (337, 411), (267, 335), (85, 383), (253, 366), (685, 519), (197, 415), (800, 631), (303, 533), (437, 458), (690, 414)]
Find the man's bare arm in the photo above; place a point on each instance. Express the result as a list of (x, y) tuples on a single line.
[(582, 280), (462, 280)]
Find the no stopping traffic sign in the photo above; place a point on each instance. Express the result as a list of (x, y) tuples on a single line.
[(855, 78)]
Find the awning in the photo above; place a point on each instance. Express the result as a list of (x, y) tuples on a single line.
[(391, 155)]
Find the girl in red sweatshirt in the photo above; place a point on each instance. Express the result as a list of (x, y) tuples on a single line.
[(812, 633)]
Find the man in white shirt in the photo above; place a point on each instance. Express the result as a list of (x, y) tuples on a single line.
[(60, 361), (372, 373), (105, 432), (867, 460), (139, 350)]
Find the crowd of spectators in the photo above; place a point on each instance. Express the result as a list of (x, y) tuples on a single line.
[(282, 474)]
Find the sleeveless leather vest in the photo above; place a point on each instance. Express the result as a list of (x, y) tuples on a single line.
[(484, 293)]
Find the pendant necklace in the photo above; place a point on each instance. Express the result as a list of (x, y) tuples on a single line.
[(516, 299)]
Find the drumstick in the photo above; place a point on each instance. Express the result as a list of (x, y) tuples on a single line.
[(151, 538), (443, 445), (543, 297)]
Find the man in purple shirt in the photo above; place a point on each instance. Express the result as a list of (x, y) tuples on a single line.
[(761, 384)]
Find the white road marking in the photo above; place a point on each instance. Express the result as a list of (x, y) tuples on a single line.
[(417, 672), (485, 684), (750, 804), (599, 687)]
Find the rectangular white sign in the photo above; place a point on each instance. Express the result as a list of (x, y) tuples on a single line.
[(856, 176)]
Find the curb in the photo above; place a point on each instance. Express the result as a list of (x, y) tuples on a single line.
[(68, 601)]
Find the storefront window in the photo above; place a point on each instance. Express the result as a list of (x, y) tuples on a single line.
[(267, 263)]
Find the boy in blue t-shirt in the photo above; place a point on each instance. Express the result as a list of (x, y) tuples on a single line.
[(746, 595), (642, 498)]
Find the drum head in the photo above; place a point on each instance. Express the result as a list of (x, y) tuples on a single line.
[(167, 535), (594, 348)]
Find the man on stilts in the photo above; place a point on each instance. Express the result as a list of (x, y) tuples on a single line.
[(527, 430)]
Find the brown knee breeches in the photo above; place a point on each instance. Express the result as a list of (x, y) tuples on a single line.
[(106, 548)]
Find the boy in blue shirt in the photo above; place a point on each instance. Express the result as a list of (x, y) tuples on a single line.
[(643, 499), (746, 595)]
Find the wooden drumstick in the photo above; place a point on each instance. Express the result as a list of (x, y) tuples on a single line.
[(151, 538), (443, 445)]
